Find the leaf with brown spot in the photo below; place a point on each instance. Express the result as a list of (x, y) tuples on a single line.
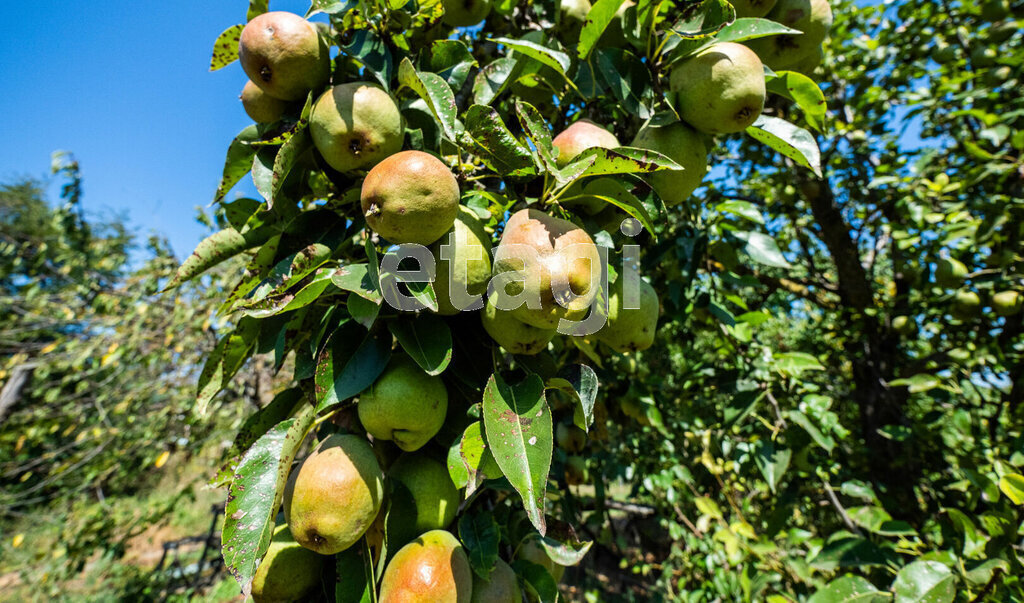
[(225, 49)]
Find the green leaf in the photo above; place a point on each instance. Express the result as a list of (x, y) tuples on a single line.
[(216, 248), (918, 384), (791, 141), (362, 310), (745, 29), (628, 79), (536, 129), (225, 49), (848, 589), (470, 461), (557, 60), (579, 381), (263, 172), (367, 48), (517, 425), (613, 192), (622, 160), (492, 79), (354, 574), (848, 552), (497, 147), (256, 493), (537, 579), (280, 408), (257, 8), (743, 209), (286, 158), (803, 421), (287, 301), (566, 553), (480, 536), (795, 363), (426, 339), (238, 162), (772, 462), (224, 361), (451, 60), (924, 582), (1012, 485), (869, 517), (350, 362), (600, 15), (974, 540), (801, 89), (762, 248), (433, 89), (358, 279)]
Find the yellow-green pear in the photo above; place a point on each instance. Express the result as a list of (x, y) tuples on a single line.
[(260, 106), (966, 304), (808, 64), (424, 498), (546, 269), (463, 268), (580, 136), (576, 471), (1007, 303), (630, 330), (510, 333), (502, 586), (283, 54), (531, 550), (570, 438), (904, 325), (719, 90), (752, 8), (410, 197), (681, 144), (463, 13), (334, 495), (288, 572), (431, 569), (355, 126), (811, 17), (950, 273), (405, 405)]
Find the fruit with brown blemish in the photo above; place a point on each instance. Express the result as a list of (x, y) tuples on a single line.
[(719, 90), (405, 405), (410, 197), (284, 55), (334, 496), (355, 126), (260, 106), (288, 572), (433, 568)]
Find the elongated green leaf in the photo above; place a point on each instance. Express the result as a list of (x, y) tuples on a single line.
[(924, 582), (600, 15), (772, 462), (286, 157), (225, 49), (362, 310), (434, 91), (451, 60), (802, 90), (704, 19), (538, 581), (257, 8), (627, 77), (492, 79), (748, 28), (580, 381), (256, 494), (263, 172), (613, 192), (762, 248), (272, 291), (812, 430), (227, 357), (280, 408), (426, 339), (367, 48), (480, 536), (354, 582), (555, 59), (918, 384), (566, 550), (497, 147), (217, 248), (849, 552), (350, 362), (622, 160), (1012, 485), (848, 589), (357, 278), (795, 363), (286, 301), (517, 426), (743, 209), (470, 461), (536, 129), (791, 141), (238, 162)]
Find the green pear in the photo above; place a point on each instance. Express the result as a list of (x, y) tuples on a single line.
[(532, 551), (431, 569), (966, 304), (410, 197), (335, 494), (423, 498), (260, 106), (1007, 303), (812, 17), (576, 471), (681, 144), (580, 136), (808, 64), (630, 330), (1003, 31), (468, 267), (515, 336), (752, 8), (355, 126), (572, 14), (546, 269), (904, 325), (950, 273), (502, 586), (570, 438), (463, 13), (288, 572), (404, 405), (283, 54), (719, 90)]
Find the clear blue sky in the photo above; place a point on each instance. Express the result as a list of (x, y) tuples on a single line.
[(126, 87)]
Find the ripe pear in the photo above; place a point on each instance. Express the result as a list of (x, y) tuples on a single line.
[(570, 438), (283, 54), (966, 304), (552, 263), (812, 17), (431, 569), (260, 106), (950, 273), (630, 330), (410, 197), (576, 471), (681, 144), (404, 405), (424, 498), (288, 571), (531, 550), (502, 586), (463, 13), (355, 126), (719, 90), (580, 136), (515, 336), (335, 494), (752, 8), (1007, 303), (468, 266)]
